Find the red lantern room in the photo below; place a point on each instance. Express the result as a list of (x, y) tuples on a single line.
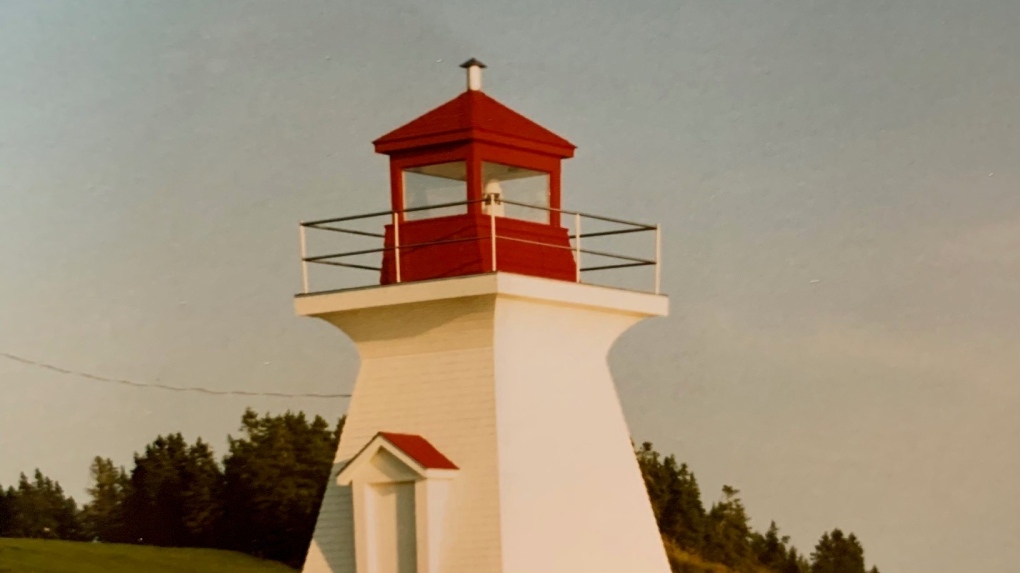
[(475, 188)]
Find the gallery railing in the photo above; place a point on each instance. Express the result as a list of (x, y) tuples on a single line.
[(605, 259)]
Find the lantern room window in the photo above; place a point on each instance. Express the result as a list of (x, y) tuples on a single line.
[(519, 185), (437, 184)]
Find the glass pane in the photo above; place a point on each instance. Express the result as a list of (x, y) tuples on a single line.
[(434, 185), (521, 186)]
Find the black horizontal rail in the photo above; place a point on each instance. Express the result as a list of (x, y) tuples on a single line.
[(351, 231), (530, 242), (352, 265), (443, 242), (619, 266), (614, 256), (641, 226), (605, 233), (324, 258), (316, 224), (628, 261), (321, 258), (588, 215)]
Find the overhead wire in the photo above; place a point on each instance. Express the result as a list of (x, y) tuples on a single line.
[(158, 386)]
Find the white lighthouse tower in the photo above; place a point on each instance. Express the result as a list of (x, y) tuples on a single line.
[(484, 434)]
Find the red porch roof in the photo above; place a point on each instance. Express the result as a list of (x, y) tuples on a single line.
[(420, 450)]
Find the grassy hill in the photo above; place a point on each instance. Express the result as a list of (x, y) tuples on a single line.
[(681, 561), (46, 556)]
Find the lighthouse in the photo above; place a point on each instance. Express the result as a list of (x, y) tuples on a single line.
[(484, 433)]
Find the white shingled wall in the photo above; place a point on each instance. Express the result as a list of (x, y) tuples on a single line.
[(426, 368)]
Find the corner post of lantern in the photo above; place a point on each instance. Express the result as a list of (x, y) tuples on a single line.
[(491, 200), (555, 203), (396, 244), (577, 246), (304, 257), (658, 258)]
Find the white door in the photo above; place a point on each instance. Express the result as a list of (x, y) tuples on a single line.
[(395, 547)]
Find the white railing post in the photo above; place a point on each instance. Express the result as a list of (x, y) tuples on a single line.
[(396, 244), (577, 246), (492, 228), (304, 263), (658, 257)]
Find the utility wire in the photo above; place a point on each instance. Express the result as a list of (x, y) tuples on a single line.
[(164, 386)]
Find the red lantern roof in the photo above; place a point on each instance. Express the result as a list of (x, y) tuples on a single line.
[(474, 116)]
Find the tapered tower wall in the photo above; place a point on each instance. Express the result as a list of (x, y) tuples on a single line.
[(507, 376), (571, 493)]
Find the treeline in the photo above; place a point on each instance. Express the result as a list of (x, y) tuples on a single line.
[(263, 497), (722, 534)]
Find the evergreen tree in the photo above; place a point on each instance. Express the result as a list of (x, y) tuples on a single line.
[(203, 498), (838, 553), (6, 511), (728, 534), (795, 563), (770, 549), (104, 517), (174, 494), (275, 476), (38, 508), (774, 552), (675, 497)]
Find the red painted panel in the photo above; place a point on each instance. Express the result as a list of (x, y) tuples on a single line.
[(461, 245)]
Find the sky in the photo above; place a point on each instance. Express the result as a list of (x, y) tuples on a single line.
[(838, 184)]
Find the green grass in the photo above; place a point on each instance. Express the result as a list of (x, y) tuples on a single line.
[(45, 556)]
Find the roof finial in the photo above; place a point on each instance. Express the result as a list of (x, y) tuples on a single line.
[(474, 74)]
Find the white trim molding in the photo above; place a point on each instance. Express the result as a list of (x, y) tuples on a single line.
[(504, 284)]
